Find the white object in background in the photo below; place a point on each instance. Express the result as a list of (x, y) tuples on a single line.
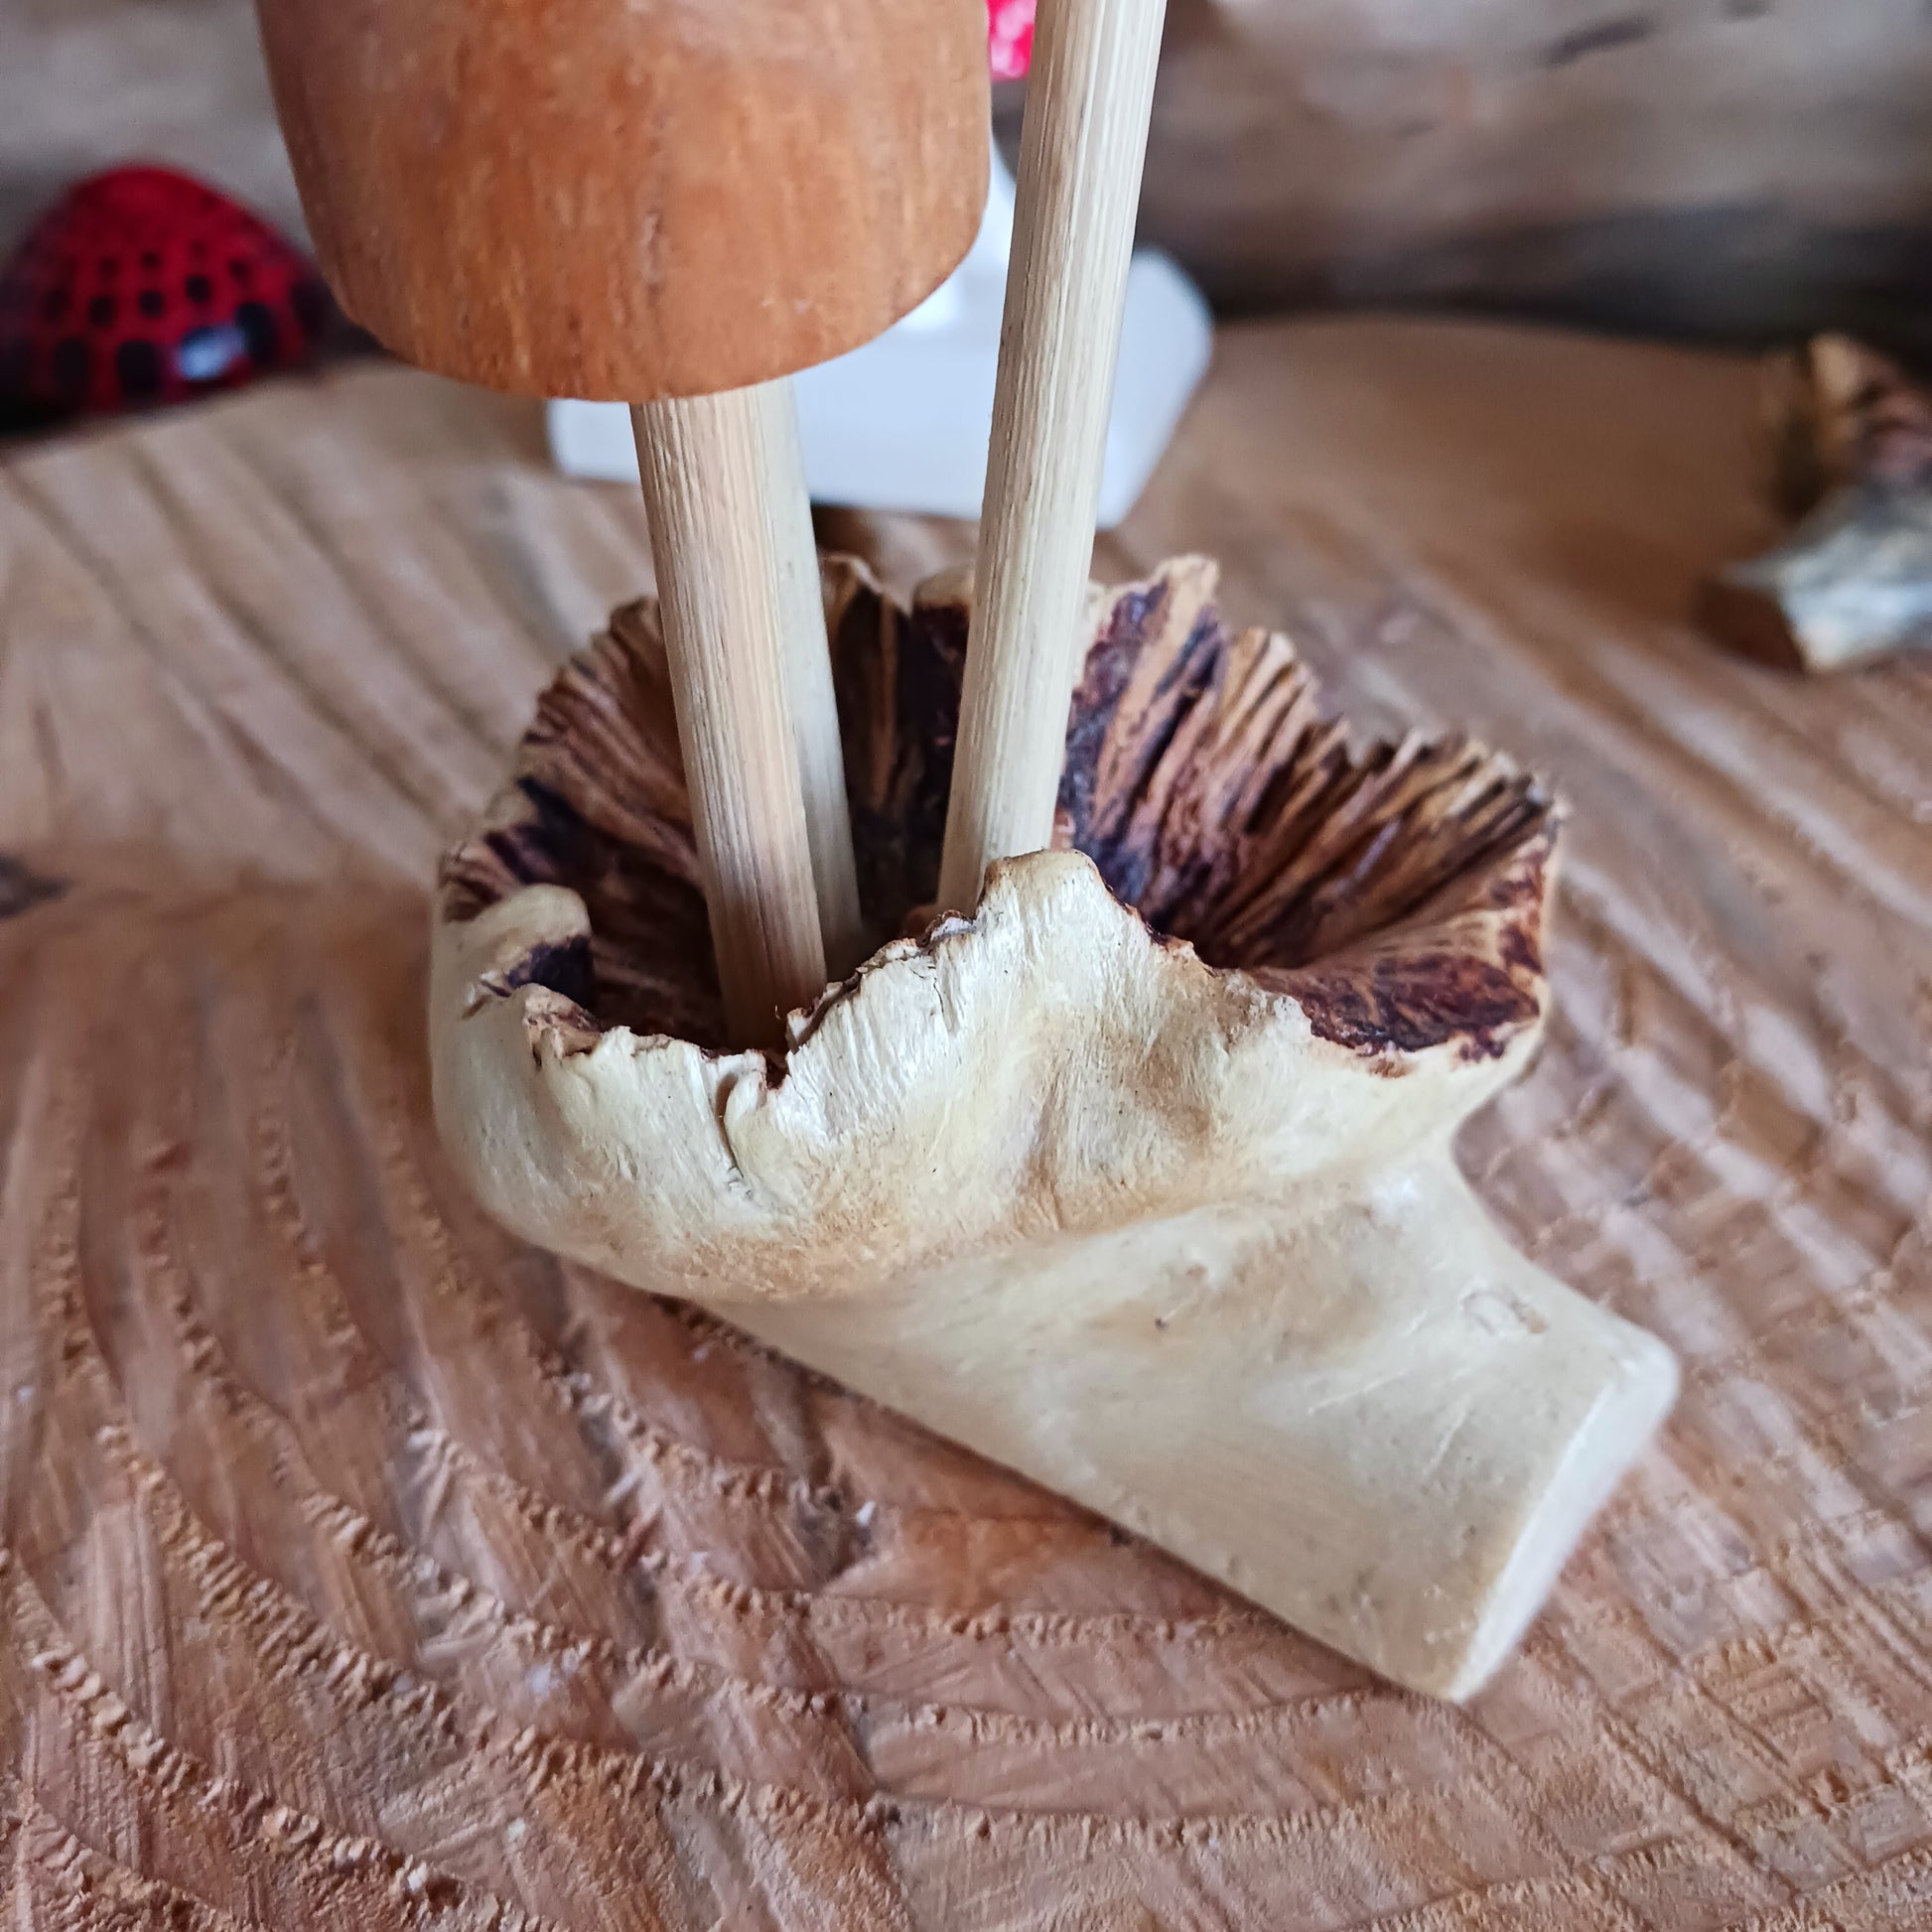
[(903, 423)]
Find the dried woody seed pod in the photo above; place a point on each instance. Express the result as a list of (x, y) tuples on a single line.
[(1139, 1179)]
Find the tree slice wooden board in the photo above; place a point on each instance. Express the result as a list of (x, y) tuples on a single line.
[(363, 1569)]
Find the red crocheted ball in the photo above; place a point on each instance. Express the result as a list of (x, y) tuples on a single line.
[(142, 285)]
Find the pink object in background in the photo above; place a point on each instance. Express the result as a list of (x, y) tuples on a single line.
[(1010, 36)]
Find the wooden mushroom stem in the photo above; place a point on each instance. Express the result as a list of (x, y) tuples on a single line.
[(1083, 143), (808, 682), (720, 529)]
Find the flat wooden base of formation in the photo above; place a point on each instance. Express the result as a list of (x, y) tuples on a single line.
[(362, 1568)]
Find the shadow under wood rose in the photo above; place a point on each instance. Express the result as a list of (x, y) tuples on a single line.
[(1136, 1176)]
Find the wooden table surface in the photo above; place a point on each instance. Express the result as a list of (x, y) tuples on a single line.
[(363, 1569)]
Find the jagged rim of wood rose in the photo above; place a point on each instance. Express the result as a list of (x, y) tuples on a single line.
[(1394, 891)]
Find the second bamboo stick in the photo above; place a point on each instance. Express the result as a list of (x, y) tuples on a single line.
[(1083, 143)]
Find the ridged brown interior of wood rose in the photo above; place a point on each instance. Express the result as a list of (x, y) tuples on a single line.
[(1395, 890)]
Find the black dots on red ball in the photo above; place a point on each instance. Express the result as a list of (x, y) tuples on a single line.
[(312, 304), (70, 365), (142, 285), (256, 320), (137, 368)]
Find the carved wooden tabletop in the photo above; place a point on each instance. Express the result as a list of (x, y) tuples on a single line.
[(363, 1569)]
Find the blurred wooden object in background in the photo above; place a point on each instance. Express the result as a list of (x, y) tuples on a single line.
[(1726, 168), (1853, 580), (1738, 168)]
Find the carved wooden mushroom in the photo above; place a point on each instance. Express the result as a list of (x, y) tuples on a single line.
[(1854, 581), (1138, 1179)]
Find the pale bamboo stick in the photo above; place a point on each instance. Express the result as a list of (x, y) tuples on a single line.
[(707, 465), (1082, 145)]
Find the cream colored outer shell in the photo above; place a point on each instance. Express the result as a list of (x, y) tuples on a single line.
[(1110, 1218)]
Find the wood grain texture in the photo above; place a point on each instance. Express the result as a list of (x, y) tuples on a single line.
[(810, 700), (363, 1569)]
